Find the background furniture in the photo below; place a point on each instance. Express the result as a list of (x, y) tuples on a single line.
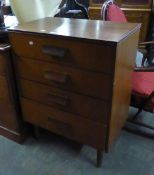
[(138, 11), (72, 79), (143, 78), (150, 47), (142, 95), (11, 125), (111, 12), (10, 122), (73, 9), (143, 89)]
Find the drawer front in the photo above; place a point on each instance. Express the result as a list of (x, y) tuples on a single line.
[(81, 54), (68, 125), (84, 82), (87, 107)]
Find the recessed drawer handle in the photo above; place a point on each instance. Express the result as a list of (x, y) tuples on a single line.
[(54, 51), (62, 124), (58, 99), (56, 77)]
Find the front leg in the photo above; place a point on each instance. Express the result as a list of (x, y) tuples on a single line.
[(99, 158)]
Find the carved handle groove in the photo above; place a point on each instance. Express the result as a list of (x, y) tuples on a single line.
[(54, 51), (62, 125), (58, 99), (56, 77)]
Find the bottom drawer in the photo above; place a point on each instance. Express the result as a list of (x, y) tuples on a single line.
[(66, 124)]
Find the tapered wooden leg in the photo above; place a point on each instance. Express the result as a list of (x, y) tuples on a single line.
[(99, 158), (36, 132)]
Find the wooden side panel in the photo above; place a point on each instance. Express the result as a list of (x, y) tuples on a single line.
[(125, 59), (9, 119), (8, 116), (4, 91), (2, 65)]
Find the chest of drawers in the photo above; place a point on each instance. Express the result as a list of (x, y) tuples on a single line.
[(74, 77)]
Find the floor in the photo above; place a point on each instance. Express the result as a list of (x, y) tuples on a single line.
[(53, 155)]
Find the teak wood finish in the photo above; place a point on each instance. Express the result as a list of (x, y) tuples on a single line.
[(72, 77), (10, 122)]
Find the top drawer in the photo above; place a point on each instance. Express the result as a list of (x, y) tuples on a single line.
[(76, 53)]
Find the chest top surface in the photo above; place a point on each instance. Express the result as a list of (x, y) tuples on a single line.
[(79, 28)]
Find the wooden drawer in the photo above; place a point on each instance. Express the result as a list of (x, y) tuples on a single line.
[(72, 52), (87, 107), (66, 124), (84, 82)]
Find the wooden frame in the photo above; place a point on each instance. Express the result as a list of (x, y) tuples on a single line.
[(125, 5)]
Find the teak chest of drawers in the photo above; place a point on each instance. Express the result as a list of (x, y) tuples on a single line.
[(74, 76)]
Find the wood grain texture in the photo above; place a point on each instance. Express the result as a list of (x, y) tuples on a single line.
[(94, 109), (15, 136), (9, 107), (143, 17), (68, 125), (2, 65), (8, 116), (82, 55), (83, 97), (80, 81), (91, 30), (125, 61), (4, 91)]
